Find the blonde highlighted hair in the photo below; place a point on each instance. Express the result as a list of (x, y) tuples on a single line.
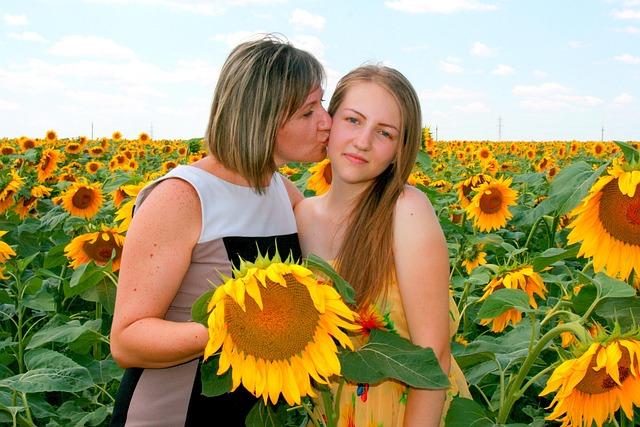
[(261, 84), (365, 258)]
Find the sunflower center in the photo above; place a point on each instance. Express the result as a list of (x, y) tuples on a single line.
[(285, 326), (620, 214), (327, 175), (83, 198), (45, 162), (600, 382), (101, 250), (491, 201)]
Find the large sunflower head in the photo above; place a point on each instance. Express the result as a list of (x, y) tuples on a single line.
[(489, 208), (5, 250), (523, 278), (593, 386), (276, 325), (607, 222), (320, 179), (98, 247), (82, 199), (10, 184)]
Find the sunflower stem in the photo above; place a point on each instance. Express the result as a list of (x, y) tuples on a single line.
[(514, 390), (533, 229)]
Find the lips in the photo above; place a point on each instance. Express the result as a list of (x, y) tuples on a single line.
[(355, 158)]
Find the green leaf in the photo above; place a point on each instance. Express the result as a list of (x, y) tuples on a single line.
[(45, 358), (625, 311), (631, 155), (23, 263), (424, 160), (467, 413), (502, 300), (103, 371), (506, 348), (212, 383), (572, 186), (49, 379), (199, 308), (262, 415), (342, 286), (608, 286), (584, 299), (552, 255), (83, 278), (104, 292), (389, 356), (66, 333)]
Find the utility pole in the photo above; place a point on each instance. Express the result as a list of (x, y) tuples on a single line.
[(499, 128), (602, 134), (436, 133), (92, 130)]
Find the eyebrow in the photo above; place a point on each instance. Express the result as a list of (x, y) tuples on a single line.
[(381, 124)]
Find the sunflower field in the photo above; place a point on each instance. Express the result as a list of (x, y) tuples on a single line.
[(544, 243)]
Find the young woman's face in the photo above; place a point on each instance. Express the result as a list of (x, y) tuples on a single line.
[(303, 138), (365, 133)]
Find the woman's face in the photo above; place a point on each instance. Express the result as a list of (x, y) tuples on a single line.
[(365, 133), (303, 138)]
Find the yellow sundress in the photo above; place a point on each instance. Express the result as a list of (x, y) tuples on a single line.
[(383, 404)]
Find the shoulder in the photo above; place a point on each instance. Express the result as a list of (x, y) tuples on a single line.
[(413, 203), (295, 196), (306, 208), (415, 220)]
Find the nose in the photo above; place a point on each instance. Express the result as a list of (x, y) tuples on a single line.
[(325, 121), (362, 139)]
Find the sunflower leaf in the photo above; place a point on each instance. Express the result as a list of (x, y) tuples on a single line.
[(342, 286), (199, 308), (502, 300), (390, 356), (552, 255), (465, 412), (631, 155), (608, 286), (212, 383), (262, 415)]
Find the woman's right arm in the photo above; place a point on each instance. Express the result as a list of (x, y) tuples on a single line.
[(155, 258)]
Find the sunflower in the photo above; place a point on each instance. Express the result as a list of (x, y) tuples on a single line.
[(320, 179), (474, 257), (116, 136), (12, 184), (168, 165), (96, 151), (73, 148), (97, 247), (26, 144), (523, 278), (490, 206), (125, 213), (6, 149), (40, 191), (598, 149), (281, 336), (417, 177), (82, 199), (51, 136), (47, 164), (593, 386), (5, 250), (93, 167), (464, 188), (144, 137), (607, 222), (287, 170)]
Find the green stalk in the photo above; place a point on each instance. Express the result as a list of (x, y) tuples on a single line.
[(533, 229), (97, 350), (514, 390)]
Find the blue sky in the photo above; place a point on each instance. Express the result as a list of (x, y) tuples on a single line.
[(544, 69)]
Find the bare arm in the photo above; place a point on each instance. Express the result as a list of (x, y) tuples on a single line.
[(422, 267), (155, 257)]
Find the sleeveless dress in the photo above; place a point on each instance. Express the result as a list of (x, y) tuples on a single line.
[(236, 222), (383, 404)]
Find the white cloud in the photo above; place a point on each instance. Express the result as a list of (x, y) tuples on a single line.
[(310, 44), (28, 36), (623, 99), (235, 38), (473, 107), (439, 6), (539, 90), (553, 97), (302, 19), (575, 44), (630, 30), (503, 70), (627, 58), (449, 66), (14, 20), (201, 7), (626, 14), (8, 105), (91, 46), (482, 50), (448, 93), (539, 74)]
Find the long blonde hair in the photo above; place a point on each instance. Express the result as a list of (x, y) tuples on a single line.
[(261, 85), (365, 258)]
